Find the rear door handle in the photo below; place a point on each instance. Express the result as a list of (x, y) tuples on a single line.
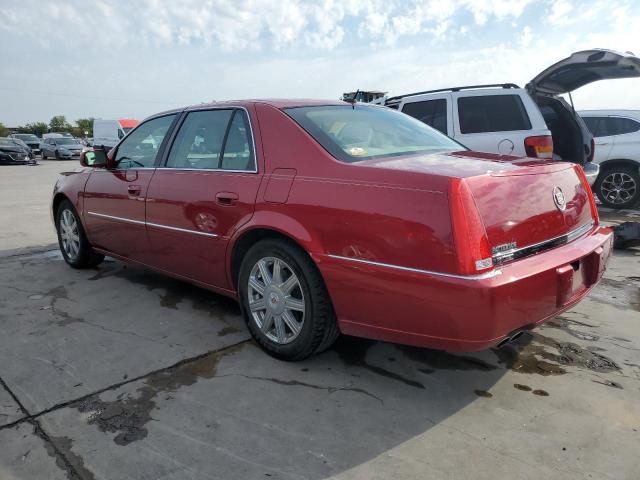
[(134, 189), (226, 198)]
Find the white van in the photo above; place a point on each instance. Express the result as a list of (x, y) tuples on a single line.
[(109, 132)]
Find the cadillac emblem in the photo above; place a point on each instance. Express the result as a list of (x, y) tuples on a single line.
[(558, 198)]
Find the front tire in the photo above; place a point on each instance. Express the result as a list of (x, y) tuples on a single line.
[(75, 247), (43, 155), (618, 186), (285, 302)]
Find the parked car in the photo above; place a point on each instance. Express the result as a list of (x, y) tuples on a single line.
[(32, 141), (535, 121), (323, 217), (12, 153), (617, 137), (61, 147)]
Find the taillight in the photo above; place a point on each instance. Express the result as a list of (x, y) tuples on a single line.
[(539, 147), (585, 184), (469, 235), (593, 151)]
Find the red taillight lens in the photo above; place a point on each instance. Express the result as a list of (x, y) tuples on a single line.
[(469, 235), (592, 201), (539, 147)]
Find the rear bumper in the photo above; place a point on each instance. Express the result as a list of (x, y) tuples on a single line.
[(591, 171), (463, 314)]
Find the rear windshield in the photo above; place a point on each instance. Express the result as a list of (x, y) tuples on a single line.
[(27, 137), (352, 134), (492, 113)]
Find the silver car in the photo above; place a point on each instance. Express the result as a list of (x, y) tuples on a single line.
[(60, 148)]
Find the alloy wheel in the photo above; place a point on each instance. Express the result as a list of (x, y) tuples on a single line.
[(69, 234), (618, 187), (276, 300)]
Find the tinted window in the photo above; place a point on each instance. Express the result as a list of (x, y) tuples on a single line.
[(492, 113), (238, 149), (199, 141), (619, 126), (140, 149), (431, 112), (360, 132), (593, 123)]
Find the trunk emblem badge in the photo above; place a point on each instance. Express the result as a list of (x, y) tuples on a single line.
[(558, 198)]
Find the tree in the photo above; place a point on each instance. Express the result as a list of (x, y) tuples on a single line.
[(37, 128), (4, 131), (83, 125), (59, 124)]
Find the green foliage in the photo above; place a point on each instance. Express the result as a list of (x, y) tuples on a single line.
[(59, 124), (37, 128), (56, 124)]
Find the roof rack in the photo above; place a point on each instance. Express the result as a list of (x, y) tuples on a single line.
[(454, 89)]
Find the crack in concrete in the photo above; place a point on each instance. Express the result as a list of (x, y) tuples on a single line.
[(293, 383)]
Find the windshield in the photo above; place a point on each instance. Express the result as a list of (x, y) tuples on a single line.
[(27, 137), (126, 129), (66, 141), (7, 142), (352, 134)]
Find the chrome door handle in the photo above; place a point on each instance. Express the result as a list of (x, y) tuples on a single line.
[(226, 199)]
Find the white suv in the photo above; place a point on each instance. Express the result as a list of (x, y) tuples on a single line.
[(617, 138), (535, 121)]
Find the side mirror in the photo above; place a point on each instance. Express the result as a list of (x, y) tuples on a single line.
[(95, 158)]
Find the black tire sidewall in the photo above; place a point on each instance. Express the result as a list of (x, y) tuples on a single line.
[(633, 172), (307, 341)]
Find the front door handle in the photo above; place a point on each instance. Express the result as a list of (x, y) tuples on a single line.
[(226, 198), (134, 190)]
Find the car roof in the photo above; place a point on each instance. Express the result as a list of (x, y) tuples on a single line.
[(274, 102), (621, 112)]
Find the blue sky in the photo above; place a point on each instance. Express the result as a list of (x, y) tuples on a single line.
[(115, 59)]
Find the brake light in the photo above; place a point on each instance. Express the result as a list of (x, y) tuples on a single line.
[(593, 151), (469, 235), (585, 184), (539, 147)]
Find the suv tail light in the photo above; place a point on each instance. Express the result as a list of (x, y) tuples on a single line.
[(469, 235), (539, 147)]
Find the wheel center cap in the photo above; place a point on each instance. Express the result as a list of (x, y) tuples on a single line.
[(273, 299)]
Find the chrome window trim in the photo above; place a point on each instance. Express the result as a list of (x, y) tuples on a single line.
[(505, 256), (205, 109), (481, 276), (157, 225)]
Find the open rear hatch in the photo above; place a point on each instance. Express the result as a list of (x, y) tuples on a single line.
[(582, 68), (533, 208)]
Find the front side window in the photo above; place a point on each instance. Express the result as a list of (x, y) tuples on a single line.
[(213, 140), (492, 113), (140, 149), (359, 132)]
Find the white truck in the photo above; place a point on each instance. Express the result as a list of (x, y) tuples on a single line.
[(110, 132)]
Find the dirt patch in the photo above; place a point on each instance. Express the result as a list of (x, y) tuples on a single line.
[(127, 416), (621, 294), (541, 393), (524, 388)]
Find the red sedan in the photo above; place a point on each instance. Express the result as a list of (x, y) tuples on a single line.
[(327, 217)]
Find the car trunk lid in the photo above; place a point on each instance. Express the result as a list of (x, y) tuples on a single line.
[(530, 209), (582, 68)]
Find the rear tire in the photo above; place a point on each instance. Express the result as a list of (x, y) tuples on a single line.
[(289, 314), (76, 249), (43, 155), (618, 186)]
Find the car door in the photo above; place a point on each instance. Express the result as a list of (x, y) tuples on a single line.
[(204, 192), (434, 110), (603, 136), (114, 198), (626, 133)]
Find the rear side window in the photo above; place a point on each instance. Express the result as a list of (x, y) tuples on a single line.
[(213, 140), (608, 126), (431, 112), (492, 113)]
